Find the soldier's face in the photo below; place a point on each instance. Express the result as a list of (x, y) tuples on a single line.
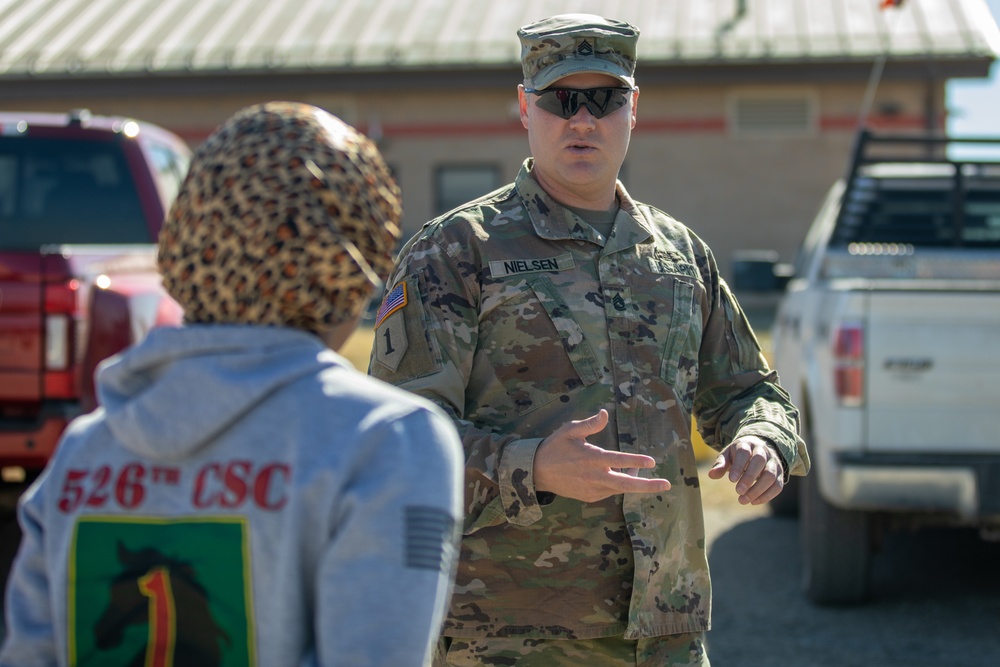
[(577, 159)]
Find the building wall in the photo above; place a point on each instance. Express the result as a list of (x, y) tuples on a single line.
[(737, 190)]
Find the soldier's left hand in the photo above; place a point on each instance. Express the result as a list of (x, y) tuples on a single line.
[(754, 466)]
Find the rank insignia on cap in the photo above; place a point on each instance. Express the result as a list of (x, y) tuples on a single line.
[(394, 300)]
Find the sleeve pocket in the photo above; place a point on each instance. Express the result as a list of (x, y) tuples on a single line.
[(680, 351)]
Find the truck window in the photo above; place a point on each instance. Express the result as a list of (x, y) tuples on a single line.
[(57, 191), (8, 184), (171, 167)]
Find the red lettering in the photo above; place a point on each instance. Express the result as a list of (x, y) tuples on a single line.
[(99, 496), (129, 490), (200, 500), (237, 475), (170, 476), (265, 497), (232, 484), (72, 491), (126, 487)]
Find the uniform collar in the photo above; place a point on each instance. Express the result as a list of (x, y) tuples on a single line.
[(554, 221)]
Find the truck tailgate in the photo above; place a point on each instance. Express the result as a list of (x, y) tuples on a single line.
[(20, 326), (933, 372)]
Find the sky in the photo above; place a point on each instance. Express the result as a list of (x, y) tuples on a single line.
[(974, 104)]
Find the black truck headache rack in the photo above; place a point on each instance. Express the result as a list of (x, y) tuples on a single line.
[(909, 192)]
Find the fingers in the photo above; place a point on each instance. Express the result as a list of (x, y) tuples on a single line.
[(627, 483), (720, 466), (765, 486), (569, 466), (773, 469), (624, 460), (601, 473), (755, 469), (589, 426)]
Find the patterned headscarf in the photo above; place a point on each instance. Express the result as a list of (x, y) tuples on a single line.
[(288, 216)]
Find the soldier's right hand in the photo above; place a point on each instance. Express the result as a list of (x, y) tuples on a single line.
[(569, 466)]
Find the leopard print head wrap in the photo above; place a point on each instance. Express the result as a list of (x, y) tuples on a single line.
[(288, 216)]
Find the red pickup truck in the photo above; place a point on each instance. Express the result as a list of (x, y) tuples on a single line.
[(82, 198)]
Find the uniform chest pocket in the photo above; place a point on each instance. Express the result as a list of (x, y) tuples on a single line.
[(536, 347), (679, 367)]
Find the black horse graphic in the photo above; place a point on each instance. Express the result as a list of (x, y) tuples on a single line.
[(181, 631)]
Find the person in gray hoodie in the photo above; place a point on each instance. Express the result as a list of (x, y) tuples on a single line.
[(243, 496)]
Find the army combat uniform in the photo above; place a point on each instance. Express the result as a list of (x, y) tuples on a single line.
[(516, 316)]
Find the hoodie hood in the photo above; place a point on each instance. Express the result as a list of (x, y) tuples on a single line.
[(180, 388)]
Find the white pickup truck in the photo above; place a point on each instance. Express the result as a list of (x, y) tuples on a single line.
[(888, 339)]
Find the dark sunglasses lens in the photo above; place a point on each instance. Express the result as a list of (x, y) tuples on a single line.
[(565, 102)]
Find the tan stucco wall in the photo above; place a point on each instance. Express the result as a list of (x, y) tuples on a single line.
[(736, 192)]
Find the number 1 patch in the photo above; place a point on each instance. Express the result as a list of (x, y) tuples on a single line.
[(390, 339)]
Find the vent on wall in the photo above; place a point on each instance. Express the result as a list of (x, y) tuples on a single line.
[(759, 115)]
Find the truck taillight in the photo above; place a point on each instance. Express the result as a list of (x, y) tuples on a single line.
[(62, 313), (849, 364)]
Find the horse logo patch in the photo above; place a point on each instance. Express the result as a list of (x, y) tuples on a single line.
[(160, 592)]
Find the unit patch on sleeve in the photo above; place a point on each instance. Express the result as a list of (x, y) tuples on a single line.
[(390, 328), (403, 340)]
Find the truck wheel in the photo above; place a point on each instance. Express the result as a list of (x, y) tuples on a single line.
[(787, 502), (836, 549)]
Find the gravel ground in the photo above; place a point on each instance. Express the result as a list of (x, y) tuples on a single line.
[(936, 597)]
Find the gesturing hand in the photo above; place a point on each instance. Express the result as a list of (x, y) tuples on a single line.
[(754, 466), (569, 466)]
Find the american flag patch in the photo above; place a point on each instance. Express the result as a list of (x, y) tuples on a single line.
[(394, 300), (430, 539)]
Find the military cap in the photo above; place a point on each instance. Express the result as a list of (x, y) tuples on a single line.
[(573, 43)]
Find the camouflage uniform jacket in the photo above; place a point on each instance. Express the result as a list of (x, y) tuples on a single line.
[(516, 317)]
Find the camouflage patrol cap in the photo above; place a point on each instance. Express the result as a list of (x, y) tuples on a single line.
[(573, 43)]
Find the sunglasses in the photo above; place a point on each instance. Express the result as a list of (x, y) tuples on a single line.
[(565, 102)]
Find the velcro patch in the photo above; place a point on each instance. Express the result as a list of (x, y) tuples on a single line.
[(430, 535), (392, 342), (403, 342), (671, 262), (393, 301), (512, 267)]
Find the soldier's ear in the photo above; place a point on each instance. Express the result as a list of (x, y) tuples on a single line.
[(522, 105)]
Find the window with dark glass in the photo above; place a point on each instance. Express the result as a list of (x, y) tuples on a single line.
[(457, 184)]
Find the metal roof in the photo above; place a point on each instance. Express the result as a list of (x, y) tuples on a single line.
[(85, 38)]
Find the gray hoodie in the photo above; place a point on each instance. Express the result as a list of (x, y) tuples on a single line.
[(244, 497)]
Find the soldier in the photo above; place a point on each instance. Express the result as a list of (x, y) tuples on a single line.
[(244, 496), (571, 333)]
